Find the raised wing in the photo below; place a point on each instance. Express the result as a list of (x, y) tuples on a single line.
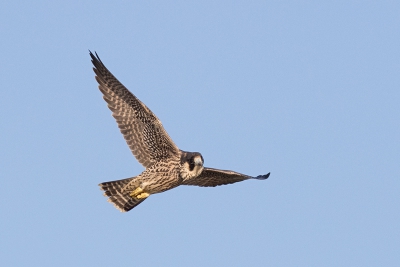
[(215, 177), (142, 130)]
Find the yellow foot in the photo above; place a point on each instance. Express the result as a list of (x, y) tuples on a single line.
[(143, 195), (139, 193), (136, 192)]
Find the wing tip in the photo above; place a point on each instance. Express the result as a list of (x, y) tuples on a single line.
[(263, 177), (92, 55), (95, 59)]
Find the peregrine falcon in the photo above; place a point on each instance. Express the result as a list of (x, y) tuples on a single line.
[(166, 166)]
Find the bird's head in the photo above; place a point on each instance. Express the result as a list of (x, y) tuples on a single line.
[(192, 164)]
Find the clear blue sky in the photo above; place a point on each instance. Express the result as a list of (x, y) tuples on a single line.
[(309, 91)]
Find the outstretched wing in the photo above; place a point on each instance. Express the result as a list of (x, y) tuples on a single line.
[(142, 130), (215, 177)]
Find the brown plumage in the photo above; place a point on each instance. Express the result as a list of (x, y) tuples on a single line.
[(213, 177), (166, 165)]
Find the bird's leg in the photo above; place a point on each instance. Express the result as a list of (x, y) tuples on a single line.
[(139, 193)]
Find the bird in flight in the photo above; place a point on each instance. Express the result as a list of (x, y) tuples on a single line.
[(166, 166)]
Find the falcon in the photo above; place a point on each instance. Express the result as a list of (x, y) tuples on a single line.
[(166, 166)]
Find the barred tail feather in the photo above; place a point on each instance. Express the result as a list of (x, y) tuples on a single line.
[(122, 201)]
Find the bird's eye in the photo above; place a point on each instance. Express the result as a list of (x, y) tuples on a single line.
[(191, 164)]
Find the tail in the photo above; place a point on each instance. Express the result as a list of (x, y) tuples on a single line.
[(122, 201)]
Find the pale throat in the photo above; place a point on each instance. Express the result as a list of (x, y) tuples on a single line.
[(186, 173), (197, 170)]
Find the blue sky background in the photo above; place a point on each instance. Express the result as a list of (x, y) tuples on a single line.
[(306, 90)]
